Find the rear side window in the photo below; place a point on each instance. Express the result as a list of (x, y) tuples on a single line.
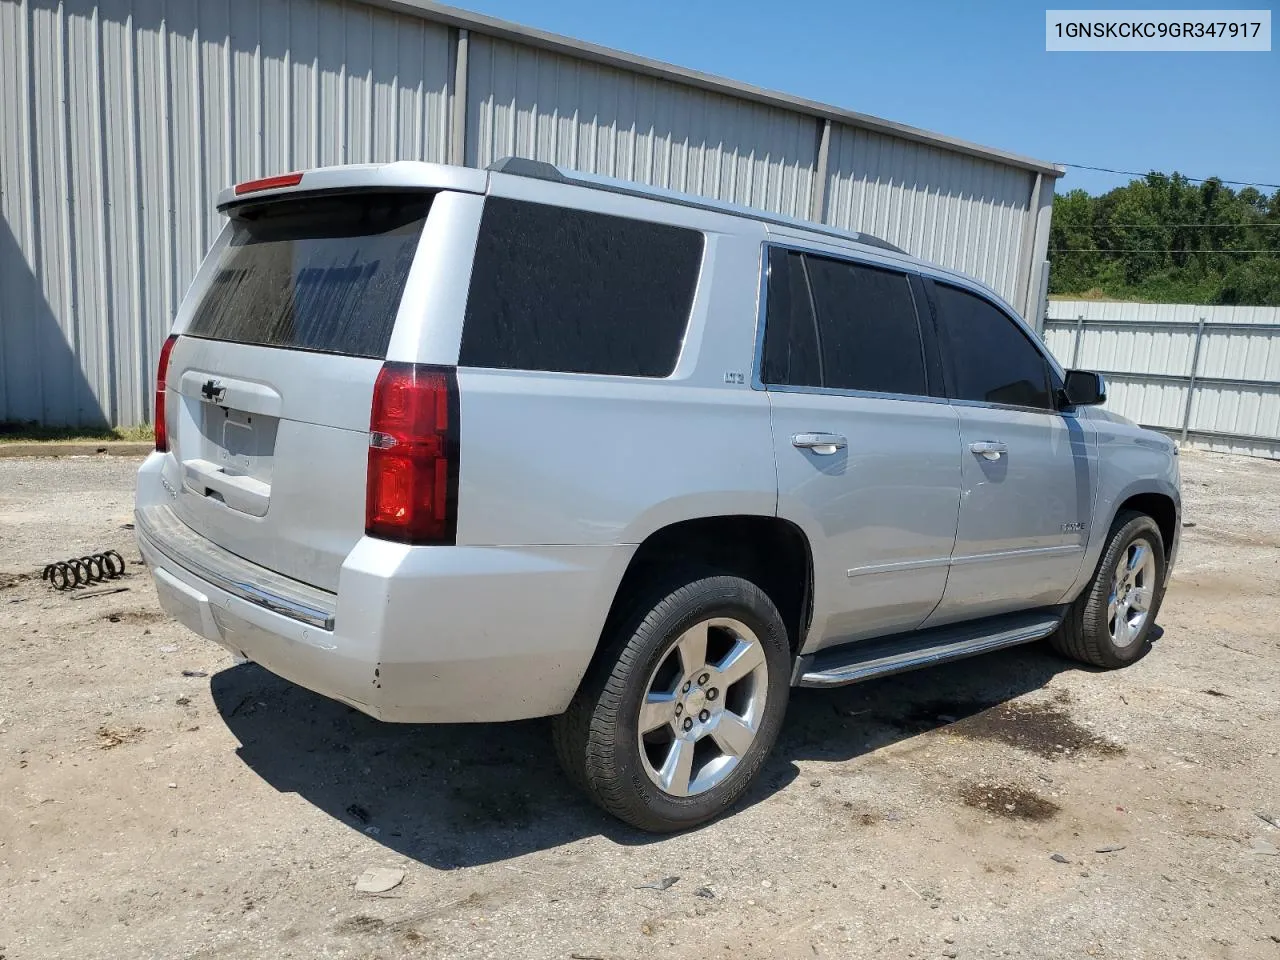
[(571, 291), (791, 354), (991, 359), (841, 325), (315, 273), (867, 321)]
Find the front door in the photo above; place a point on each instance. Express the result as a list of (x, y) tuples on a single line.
[(868, 461), (1029, 469)]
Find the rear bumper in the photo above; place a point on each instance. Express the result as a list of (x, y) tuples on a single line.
[(414, 634), (162, 533)]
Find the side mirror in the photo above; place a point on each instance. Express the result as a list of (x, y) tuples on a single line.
[(1084, 388)]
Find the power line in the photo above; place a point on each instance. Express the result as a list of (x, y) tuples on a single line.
[(1148, 250), (1249, 226), (1133, 173)]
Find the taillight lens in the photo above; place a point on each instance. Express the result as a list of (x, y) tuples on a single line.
[(268, 183), (412, 491), (162, 375)]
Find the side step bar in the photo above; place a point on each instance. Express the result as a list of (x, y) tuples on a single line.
[(854, 662)]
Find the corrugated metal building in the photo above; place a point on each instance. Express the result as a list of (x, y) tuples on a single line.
[(1209, 376), (121, 119)]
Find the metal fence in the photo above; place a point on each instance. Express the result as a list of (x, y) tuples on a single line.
[(1209, 376)]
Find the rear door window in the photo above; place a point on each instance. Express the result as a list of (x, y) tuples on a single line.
[(572, 291), (867, 322), (791, 355), (315, 273), (991, 359), (841, 325)]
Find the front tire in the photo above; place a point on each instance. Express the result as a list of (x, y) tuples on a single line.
[(681, 707), (1109, 625)]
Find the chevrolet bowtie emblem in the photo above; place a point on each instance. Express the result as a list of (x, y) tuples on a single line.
[(213, 391)]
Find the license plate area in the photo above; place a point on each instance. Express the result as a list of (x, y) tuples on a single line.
[(234, 458), (241, 444)]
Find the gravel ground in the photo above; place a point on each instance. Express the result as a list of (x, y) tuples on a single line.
[(146, 813)]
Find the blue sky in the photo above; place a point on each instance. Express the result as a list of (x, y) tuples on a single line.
[(978, 72)]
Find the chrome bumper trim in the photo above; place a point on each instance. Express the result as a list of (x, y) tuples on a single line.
[(161, 529)]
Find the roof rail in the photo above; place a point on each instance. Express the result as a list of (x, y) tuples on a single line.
[(873, 241), (524, 167), (541, 170)]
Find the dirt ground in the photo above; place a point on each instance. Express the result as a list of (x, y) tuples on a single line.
[(961, 812)]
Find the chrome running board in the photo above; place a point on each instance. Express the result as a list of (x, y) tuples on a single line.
[(854, 662)]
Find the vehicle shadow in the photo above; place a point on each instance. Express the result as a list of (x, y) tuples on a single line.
[(465, 794)]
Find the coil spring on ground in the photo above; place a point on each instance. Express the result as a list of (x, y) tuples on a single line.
[(79, 571)]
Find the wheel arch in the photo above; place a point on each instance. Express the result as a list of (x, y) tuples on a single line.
[(1159, 507), (771, 552), (1160, 502)]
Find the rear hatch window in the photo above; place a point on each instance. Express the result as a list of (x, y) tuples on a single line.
[(270, 386), (323, 274)]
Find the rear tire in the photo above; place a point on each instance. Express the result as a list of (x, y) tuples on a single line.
[(682, 705), (1109, 625)]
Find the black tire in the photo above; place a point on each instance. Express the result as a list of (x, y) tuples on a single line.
[(597, 738), (1085, 633)]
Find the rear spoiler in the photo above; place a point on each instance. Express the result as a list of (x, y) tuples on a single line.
[(401, 175)]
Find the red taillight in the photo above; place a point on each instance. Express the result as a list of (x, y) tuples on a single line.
[(269, 183), (412, 492), (162, 375)]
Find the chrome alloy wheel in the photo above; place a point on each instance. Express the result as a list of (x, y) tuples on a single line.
[(703, 706), (1132, 587)]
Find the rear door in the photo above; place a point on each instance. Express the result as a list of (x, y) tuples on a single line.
[(272, 377), (1030, 469), (867, 450)]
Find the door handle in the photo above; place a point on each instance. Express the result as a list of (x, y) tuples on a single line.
[(990, 449), (822, 443)]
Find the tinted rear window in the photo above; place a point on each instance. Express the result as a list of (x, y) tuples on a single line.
[(577, 292), (863, 336), (792, 356), (870, 339), (315, 273)]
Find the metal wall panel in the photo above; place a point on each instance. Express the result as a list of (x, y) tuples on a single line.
[(1059, 338), (1240, 353), (1251, 412), (1159, 404), (1160, 312), (1163, 350), (1037, 299), (1209, 375), (120, 120), (21, 295), (526, 102), (961, 212)]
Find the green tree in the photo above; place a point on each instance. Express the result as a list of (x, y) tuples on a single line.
[(1164, 238)]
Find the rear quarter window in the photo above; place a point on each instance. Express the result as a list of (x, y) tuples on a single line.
[(314, 273), (571, 291)]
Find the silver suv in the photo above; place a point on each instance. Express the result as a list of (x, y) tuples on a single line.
[(475, 445)]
